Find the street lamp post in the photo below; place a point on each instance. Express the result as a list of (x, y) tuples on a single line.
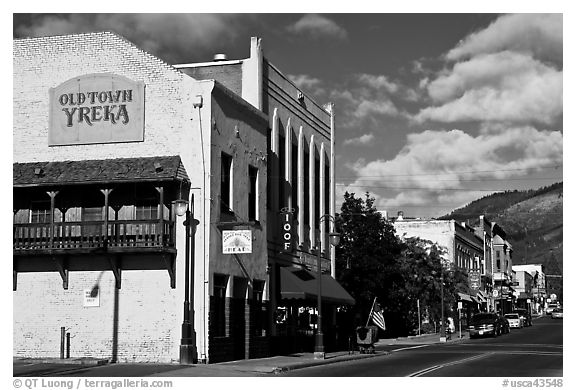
[(442, 320), (319, 341), (188, 351)]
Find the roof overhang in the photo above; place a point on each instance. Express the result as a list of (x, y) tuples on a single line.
[(119, 170)]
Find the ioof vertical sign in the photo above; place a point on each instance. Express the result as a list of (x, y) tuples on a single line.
[(96, 108), (286, 232)]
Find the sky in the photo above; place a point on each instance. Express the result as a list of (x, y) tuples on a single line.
[(433, 110)]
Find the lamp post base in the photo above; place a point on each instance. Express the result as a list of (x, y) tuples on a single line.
[(319, 347), (188, 354), (319, 355)]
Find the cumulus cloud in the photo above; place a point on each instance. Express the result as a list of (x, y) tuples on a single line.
[(317, 26), (308, 83), (537, 34), (504, 73), (377, 82), (364, 139), (172, 37), (497, 87), (433, 164)]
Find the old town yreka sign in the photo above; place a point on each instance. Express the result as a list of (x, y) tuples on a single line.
[(96, 108)]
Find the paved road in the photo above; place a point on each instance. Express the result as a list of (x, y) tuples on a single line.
[(530, 352)]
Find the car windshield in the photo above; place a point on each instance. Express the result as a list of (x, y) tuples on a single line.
[(483, 317), (512, 316)]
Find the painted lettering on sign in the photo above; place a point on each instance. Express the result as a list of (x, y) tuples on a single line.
[(286, 232), (92, 106), (96, 108)]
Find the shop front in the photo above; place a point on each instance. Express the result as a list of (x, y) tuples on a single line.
[(296, 317)]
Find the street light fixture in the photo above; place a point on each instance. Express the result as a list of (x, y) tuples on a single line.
[(319, 344), (188, 351)]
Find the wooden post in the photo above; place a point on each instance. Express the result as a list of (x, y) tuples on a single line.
[(52, 195), (161, 215), (106, 193)]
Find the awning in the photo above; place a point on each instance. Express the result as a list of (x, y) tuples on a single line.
[(118, 170), (302, 284), (480, 297), (464, 297)]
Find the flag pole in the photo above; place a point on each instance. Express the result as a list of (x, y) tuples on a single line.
[(371, 309)]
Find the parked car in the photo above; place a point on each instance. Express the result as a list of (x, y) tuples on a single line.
[(557, 313), (504, 324), (514, 320), (525, 315), (485, 324), (551, 307)]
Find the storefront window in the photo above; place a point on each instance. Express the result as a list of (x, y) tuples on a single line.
[(219, 312)]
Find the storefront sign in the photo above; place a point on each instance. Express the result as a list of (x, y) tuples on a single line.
[(474, 280), (96, 108), (236, 241), (287, 221)]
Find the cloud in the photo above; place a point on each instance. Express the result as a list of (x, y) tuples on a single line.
[(378, 82), (364, 139), (308, 83), (318, 26), (172, 37), (434, 165), (537, 34), (504, 86)]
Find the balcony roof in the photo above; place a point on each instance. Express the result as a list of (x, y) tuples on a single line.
[(119, 170)]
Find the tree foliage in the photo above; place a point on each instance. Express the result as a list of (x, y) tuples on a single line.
[(373, 262)]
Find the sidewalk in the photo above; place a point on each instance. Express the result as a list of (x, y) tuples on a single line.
[(279, 364), (263, 366), (432, 338)]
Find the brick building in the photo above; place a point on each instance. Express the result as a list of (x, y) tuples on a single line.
[(301, 183), (106, 138), (464, 250)]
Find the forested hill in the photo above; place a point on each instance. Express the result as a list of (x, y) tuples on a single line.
[(532, 220)]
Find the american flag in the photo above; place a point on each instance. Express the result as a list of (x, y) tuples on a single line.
[(377, 316)]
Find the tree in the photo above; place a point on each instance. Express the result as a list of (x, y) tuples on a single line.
[(367, 251)]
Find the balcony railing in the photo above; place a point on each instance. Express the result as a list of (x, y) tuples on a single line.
[(78, 235)]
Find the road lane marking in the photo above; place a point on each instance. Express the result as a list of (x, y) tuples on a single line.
[(453, 363), (406, 348)]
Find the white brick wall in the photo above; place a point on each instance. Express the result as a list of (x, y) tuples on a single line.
[(149, 311), (43, 63), (147, 323)]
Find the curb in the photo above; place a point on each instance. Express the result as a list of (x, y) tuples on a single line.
[(345, 358), (72, 362)]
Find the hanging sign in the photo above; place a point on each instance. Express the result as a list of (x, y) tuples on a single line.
[(474, 280), (236, 241), (286, 221), (96, 109)]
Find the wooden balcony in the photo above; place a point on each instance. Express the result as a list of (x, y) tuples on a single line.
[(126, 234)]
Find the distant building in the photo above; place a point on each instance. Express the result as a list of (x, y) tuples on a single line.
[(464, 250), (538, 293)]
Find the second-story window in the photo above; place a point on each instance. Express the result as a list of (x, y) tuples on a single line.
[(226, 183), (253, 194), (40, 212), (146, 211)]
